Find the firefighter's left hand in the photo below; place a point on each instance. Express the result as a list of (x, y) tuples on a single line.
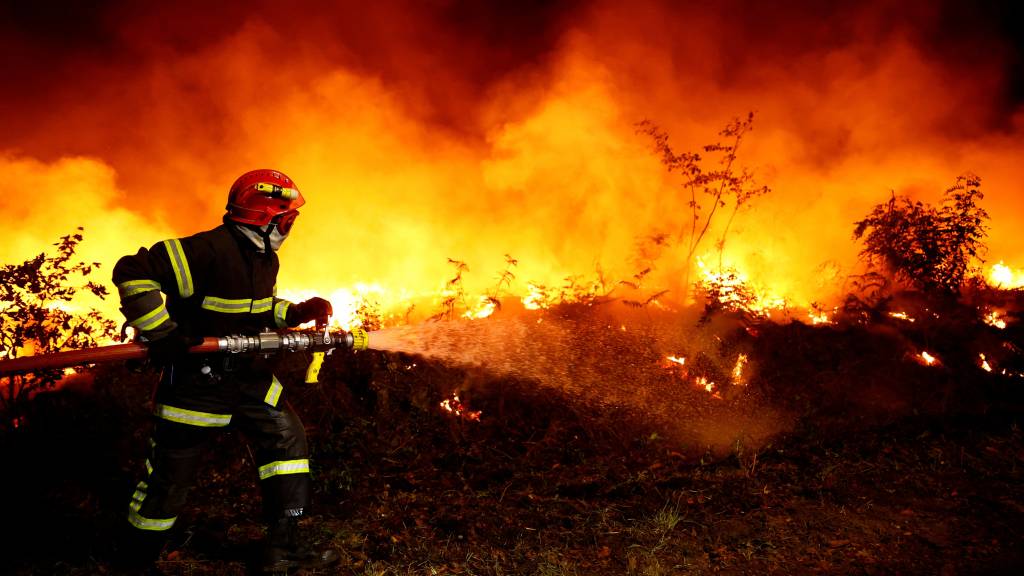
[(312, 309), (171, 348)]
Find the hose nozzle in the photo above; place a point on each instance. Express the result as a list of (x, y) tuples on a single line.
[(358, 339)]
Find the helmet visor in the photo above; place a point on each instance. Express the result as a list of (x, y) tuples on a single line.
[(285, 220)]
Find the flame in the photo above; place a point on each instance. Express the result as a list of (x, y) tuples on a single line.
[(1002, 276), (924, 357), (676, 360), (536, 297), (818, 317), (902, 316), (737, 371), (984, 363), (455, 406), (708, 386), (995, 319), (484, 308), (733, 290), (420, 132)]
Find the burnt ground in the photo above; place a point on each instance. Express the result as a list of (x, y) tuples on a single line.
[(886, 466)]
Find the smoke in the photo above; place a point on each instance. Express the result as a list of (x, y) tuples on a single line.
[(423, 131), (48, 201)]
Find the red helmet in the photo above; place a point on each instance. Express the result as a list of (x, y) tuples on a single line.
[(260, 196)]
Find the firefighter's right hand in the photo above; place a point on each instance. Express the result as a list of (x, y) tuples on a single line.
[(313, 309), (171, 348)]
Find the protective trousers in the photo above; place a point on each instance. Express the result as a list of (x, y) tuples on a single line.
[(189, 410)]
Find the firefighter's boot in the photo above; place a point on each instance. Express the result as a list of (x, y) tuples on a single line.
[(136, 551), (286, 550)]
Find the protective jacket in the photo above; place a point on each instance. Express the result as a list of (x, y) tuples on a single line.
[(216, 283)]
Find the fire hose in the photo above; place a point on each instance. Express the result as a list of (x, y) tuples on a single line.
[(320, 342)]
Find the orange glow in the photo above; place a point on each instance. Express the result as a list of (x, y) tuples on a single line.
[(419, 133)]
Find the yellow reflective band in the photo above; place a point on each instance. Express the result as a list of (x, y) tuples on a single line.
[(151, 319), (180, 264), (261, 306), (149, 467), (192, 417), (274, 393), (143, 523), (284, 467), (133, 287), (138, 497), (227, 305), (280, 313)]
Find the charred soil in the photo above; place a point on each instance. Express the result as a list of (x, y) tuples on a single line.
[(878, 464)]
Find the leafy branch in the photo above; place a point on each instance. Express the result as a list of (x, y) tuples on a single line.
[(36, 316)]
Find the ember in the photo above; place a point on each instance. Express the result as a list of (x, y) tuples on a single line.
[(984, 363), (927, 359), (455, 406), (676, 360), (995, 319)]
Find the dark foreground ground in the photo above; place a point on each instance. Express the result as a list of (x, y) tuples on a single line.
[(922, 477)]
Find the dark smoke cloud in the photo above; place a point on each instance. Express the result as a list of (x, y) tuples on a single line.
[(443, 53), (446, 54)]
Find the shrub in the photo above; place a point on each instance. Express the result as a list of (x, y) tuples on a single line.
[(932, 249), (36, 318)]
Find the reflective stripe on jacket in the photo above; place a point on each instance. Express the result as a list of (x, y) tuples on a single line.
[(214, 283)]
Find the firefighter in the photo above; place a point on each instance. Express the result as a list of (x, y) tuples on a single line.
[(220, 282)]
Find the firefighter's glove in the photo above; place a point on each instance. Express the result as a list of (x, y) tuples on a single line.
[(313, 309), (171, 348)]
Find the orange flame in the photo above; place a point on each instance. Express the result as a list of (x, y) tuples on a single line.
[(420, 132), (927, 359)]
